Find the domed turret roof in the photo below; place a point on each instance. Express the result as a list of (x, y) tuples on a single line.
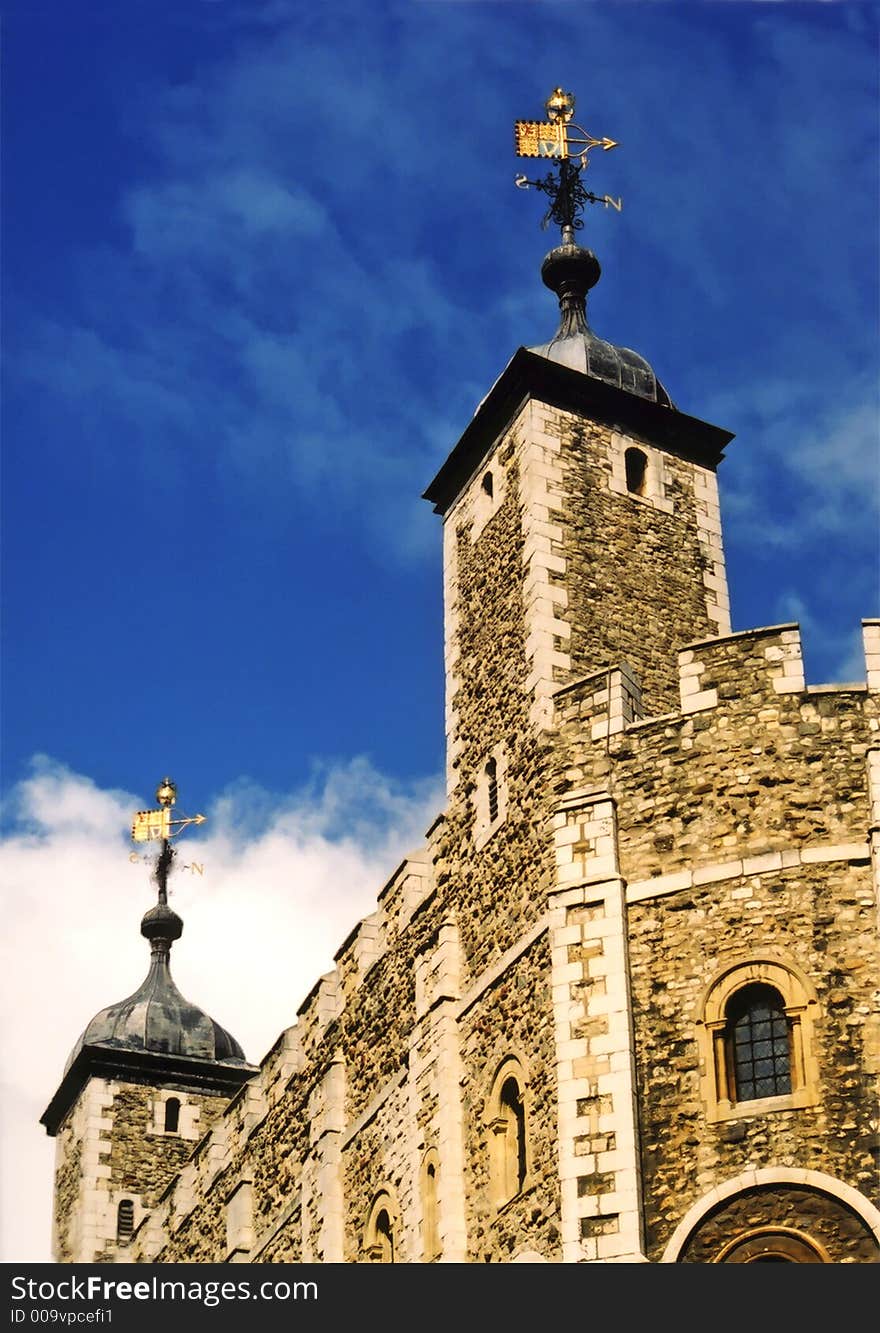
[(571, 271), (156, 1017)]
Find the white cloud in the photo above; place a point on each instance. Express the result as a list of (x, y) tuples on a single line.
[(285, 879)]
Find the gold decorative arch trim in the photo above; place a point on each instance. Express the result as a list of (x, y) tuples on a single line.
[(783, 1244)]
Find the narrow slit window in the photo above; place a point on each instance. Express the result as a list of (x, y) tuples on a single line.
[(636, 471), (488, 485), (124, 1221), (492, 789), (429, 1204), (172, 1115)]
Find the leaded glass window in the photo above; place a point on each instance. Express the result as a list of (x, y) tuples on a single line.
[(759, 1054)]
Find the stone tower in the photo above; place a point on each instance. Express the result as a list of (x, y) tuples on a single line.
[(621, 1006), (143, 1084)]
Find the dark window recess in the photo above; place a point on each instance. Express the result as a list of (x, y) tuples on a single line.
[(124, 1221), (492, 789), (512, 1107), (385, 1237), (488, 485), (759, 1050), (636, 471), (172, 1115)]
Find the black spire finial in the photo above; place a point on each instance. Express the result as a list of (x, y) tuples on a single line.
[(567, 197)]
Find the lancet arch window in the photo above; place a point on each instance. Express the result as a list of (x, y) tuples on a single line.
[(431, 1247), (508, 1130), (755, 1032), (490, 795), (487, 494), (382, 1232)]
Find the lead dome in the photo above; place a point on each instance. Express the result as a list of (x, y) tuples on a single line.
[(570, 271)]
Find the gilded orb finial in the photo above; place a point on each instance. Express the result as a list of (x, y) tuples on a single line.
[(560, 105), (166, 792)]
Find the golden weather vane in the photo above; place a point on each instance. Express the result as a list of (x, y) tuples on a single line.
[(153, 825), (569, 144), (557, 136)]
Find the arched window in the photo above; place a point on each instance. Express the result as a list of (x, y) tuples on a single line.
[(488, 485), (382, 1230), (508, 1129), (636, 464), (758, 1044), (385, 1237), (755, 1034), (490, 794), (513, 1112), (430, 1214), (172, 1115), (124, 1221)]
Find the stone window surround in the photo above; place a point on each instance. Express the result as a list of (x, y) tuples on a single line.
[(384, 1201), (484, 828), (239, 1219), (800, 1002), (189, 1114), (487, 501), (654, 488), (431, 1246), (496, 1125)]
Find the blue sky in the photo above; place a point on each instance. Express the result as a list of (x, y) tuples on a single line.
[(260, 261)]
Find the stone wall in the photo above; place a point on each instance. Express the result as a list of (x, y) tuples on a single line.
[(751, 763), (644, 573), (822, 918), (68, 1186), (513, 1016), (110, 1149), (662, 806), (741, 833)]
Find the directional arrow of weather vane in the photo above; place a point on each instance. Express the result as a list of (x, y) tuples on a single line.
[(155, 825), (569, 144)]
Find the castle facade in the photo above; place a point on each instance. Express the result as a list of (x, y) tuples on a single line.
[(622, 1005)]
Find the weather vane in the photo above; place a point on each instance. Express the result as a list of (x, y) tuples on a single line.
[(152, 825), (558, 137)]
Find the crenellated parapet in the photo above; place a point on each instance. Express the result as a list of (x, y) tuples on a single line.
[(603, 703), (755, 762), (740, 665)]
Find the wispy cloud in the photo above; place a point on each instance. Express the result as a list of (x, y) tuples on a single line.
[(805, 468)]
